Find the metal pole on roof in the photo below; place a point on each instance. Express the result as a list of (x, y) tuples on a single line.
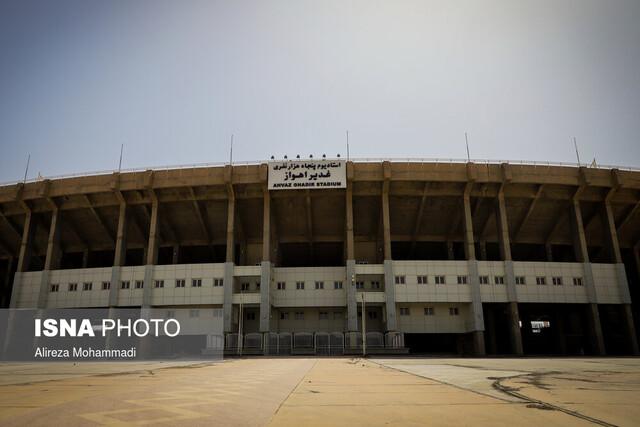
[(575, 145), (466, 139), (120, 163), (27, 168), (231, 151), (347, 145)]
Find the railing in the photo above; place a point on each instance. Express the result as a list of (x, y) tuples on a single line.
[(356, 160)]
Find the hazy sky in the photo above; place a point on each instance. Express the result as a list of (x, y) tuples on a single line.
[(172, 80)]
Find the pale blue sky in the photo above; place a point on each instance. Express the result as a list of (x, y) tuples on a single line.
[(173, 79)]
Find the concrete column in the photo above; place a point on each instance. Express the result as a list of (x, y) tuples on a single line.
[(450, 254), (152, 254), (514, 329), (266, 225), (24, 257), (503, 228), (52, 259), (227, 302), (121, 237), (352, 304), (152, 246), (390, 295), (582, 255), (231, 208), (610, 233), (631, 329), (595, 329), (265, 303), (349, 222), (469, 243), (386, 221), (477, 327)]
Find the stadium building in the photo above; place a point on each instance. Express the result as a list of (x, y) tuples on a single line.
[(302, 256)]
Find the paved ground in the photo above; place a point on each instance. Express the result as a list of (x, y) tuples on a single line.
[(325, 391)]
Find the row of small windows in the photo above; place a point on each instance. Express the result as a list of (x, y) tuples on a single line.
[(484, 280), (281, 286), (139, 284), (429, 311)]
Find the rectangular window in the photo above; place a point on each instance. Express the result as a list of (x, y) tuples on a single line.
[(218, 283), (251, 315), (423, 280), (557, 281), (73, 287), (257, 286), (428, 311), (284, 316), (337, 285), (180, 283), (282, 286), (400, 280), (196, 283), (299, 286), (404, 311), (55, 287), (106, 286), (125, 284), (359, 285), (372, 315), (299, 315), (319, 285), (158, 284), (244, 286), (375, 285), (577, 281), (462, 280), (171, 314), (139, 284), (453, 311), (194, 313), (541, 280), (520, 280), (86, 286), (323, 315), (440, 280), (498, 280), (484, 280)]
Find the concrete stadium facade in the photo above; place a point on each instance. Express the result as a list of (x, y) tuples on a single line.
[(469, 258)]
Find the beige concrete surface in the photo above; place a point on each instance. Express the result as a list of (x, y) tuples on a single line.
[(325, 391)]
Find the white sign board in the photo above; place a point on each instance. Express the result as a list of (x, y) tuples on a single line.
[(307, 174)]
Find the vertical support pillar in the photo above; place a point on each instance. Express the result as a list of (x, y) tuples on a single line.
[(582, 255), (477, 327), (621, 274), (227, 301), (52, 258), (350, 282), (265, 266), (505, 254), (483, 250), (152, 252), (231, 207), (389, 285), (120, 255), (24, 256)]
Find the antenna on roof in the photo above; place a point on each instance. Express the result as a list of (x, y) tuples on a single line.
[(347, 145), (120, 163), (27, 168), (575, 145), (231, 151), (466, 140)]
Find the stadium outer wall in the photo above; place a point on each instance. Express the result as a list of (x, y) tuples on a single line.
[(437, 257)]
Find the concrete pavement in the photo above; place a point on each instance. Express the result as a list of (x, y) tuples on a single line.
[(325, 391)]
